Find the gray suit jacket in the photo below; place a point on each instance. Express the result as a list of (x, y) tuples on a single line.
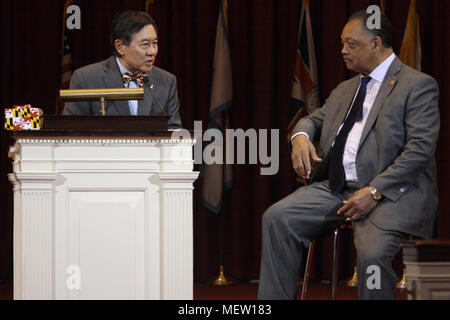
[(397, 147), (106, 74)]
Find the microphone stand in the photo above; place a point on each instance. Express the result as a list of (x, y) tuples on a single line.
[(150, 86)]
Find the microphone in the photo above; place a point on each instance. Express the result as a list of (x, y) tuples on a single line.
[(150, 86)]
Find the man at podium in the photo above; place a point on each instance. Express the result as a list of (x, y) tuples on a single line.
[(134, 42)]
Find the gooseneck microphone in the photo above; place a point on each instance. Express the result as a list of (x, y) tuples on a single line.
[(150, 87)]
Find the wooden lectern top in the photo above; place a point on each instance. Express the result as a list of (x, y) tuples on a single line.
[(100, 126)]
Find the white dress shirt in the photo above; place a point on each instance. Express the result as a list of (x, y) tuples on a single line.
[(351, 145), (133, 104)]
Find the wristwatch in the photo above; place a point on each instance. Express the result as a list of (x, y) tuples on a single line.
[(376, 195)]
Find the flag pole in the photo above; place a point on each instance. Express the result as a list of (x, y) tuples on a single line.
[(221, 279), (61, 85), (383, 6), (147, 5), (221, 97)]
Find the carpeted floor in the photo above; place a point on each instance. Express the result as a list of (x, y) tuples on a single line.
[(248, 291), (6, 292), (245, 291)]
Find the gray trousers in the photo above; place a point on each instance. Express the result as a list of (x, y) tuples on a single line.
[(289, 225)]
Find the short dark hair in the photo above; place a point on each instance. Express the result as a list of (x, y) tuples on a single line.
[(385, 30), (126, 24)]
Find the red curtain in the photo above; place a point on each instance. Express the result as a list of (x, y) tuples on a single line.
[(262, 39)]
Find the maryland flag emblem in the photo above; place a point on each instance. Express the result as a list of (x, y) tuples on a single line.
[(23, 118)]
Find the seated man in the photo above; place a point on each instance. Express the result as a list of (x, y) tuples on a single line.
[(134, 42), (376, 167)]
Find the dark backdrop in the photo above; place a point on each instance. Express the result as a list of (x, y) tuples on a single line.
[(263, 42)]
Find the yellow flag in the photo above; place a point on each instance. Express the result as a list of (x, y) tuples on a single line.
[(411, 50)]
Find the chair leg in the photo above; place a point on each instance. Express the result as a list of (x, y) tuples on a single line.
[(308, 269), (335, 264)]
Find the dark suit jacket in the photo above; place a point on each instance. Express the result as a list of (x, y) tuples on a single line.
[(397, 146), (106, 74)]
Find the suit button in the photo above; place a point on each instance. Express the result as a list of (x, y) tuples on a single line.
[(402, 189)]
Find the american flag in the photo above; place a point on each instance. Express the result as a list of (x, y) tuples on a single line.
[(66, 57)]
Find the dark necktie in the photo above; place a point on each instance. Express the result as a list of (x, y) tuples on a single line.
[(136, 77), (336, 172)]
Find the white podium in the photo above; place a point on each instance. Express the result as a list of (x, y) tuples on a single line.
[(98, 217)]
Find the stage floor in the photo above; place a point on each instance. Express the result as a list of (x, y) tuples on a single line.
[(246, 291)]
